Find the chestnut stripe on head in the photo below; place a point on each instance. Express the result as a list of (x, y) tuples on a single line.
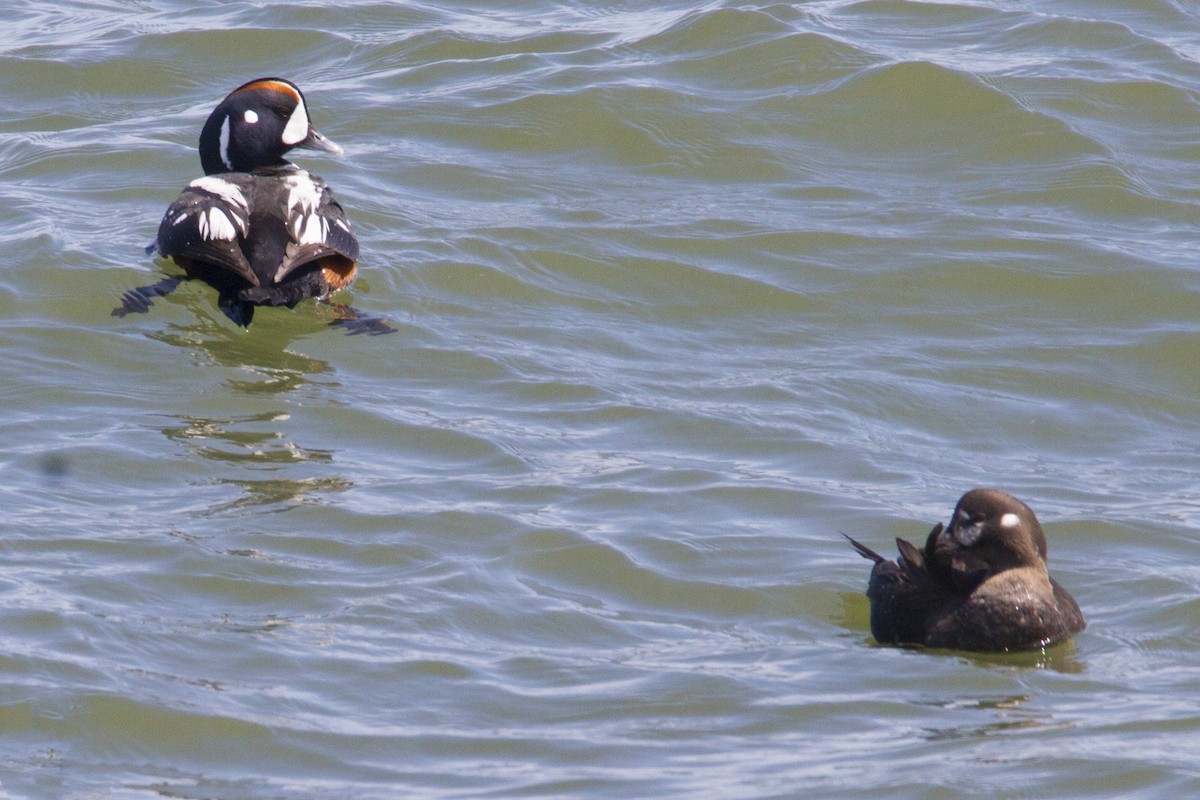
[(274, 85)]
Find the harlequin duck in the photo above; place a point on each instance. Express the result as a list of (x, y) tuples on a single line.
[(257, 228), (979, 584)]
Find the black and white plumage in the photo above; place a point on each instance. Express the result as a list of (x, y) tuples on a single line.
[(257, 228), (273, 236), (981, 583)]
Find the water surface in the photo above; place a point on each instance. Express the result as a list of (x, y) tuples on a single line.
[(680, 294)]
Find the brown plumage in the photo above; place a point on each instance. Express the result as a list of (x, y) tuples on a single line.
[(979, 584)]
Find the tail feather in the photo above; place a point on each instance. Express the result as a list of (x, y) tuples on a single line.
[(865, 551)]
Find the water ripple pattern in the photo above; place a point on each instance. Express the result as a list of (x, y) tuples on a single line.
[(682, 290)]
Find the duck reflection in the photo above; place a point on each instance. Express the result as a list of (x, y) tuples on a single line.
[(221, 440), (282, 492), (275, 368), (261, 453), (1008, 716), (259, 442)]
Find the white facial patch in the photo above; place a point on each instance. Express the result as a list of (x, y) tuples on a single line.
[(296, 130), (1010, 520), (251, 116), (224, 141)]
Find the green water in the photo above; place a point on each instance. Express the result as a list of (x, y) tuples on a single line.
[(681, 291)]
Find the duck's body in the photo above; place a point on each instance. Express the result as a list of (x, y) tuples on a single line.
[(980, 584), (256, 227), (273, 236)]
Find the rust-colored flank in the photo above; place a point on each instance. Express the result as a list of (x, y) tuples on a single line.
[(337, 270)]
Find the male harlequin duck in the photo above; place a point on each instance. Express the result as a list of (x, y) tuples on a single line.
[(257, 228), (980, 584)]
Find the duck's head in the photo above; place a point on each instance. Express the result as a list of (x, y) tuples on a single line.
[(255, 125)]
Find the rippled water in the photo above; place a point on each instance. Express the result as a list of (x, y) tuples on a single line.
[(681, 294)]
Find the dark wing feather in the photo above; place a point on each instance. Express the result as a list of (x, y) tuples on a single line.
[(865, 551), (912, 562), (203, 227), (900, 595), (317, 229), (931, 541)]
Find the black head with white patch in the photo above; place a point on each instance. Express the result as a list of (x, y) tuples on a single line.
[(991, 527), (256, 125)]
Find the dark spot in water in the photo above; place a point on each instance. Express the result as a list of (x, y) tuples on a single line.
[(54, 466)]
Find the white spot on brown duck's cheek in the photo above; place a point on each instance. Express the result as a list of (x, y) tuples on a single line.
[(1010, 520), (251, 116)]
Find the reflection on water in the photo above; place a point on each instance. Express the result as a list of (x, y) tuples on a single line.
[(1062, 657), (204, 437), (263, 367), (686, 292), (256, 441), (275, 369), (990, 729), (1010, 715), (280, 492), (1009, 701)]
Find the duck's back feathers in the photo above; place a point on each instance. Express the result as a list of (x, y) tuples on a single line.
[(203, 230), (903, 594), (272, 237)]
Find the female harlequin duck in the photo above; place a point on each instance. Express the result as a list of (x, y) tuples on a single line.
[(980, 584), (257, 228)]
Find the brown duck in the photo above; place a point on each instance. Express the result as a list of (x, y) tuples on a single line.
[(980, 583)]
